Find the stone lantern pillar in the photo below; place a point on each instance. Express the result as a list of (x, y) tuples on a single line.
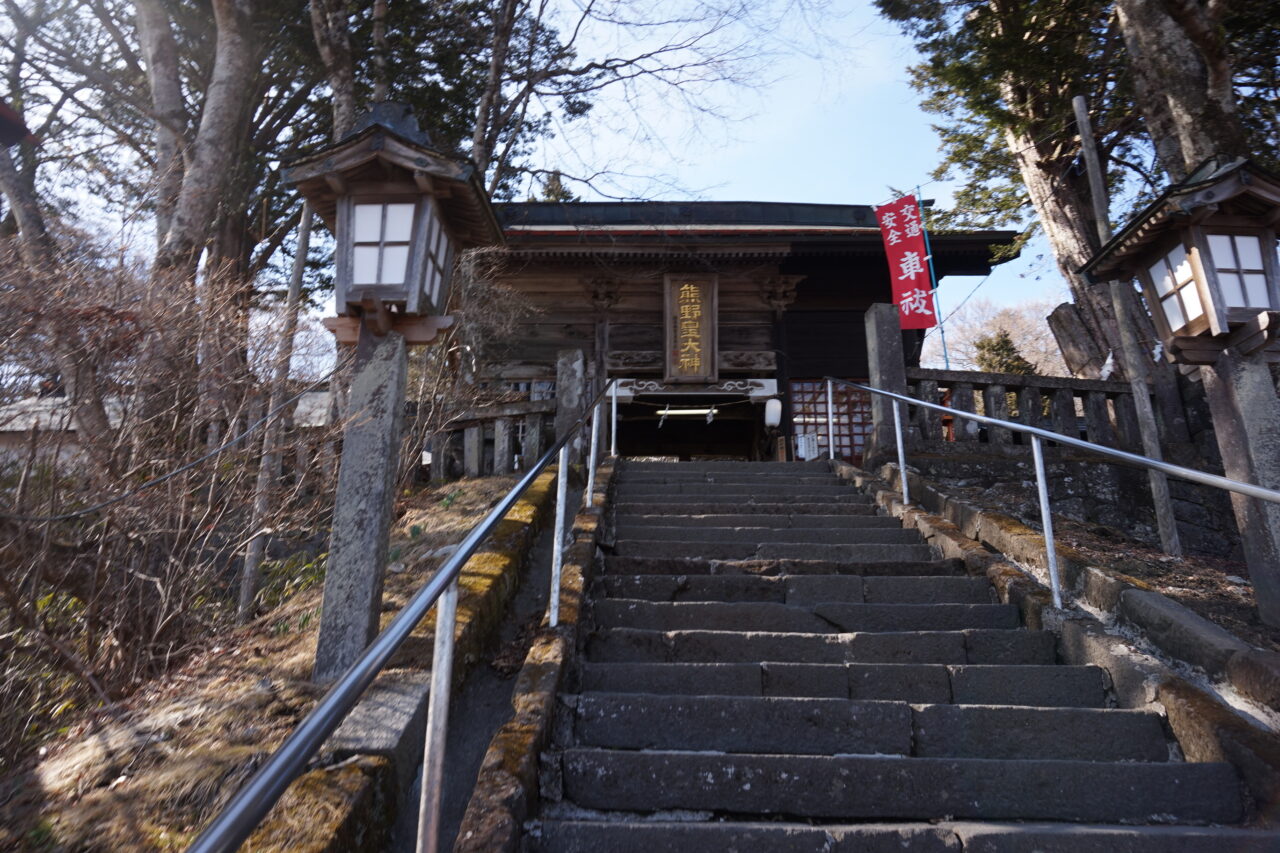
[(399, 210)]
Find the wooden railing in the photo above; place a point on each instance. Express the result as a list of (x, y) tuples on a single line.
[(514, 429), (1097, 411)]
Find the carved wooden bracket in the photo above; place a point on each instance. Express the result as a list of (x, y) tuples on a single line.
[(603, 292), (779, 291)]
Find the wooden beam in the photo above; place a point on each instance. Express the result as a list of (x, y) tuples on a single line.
[(417, 331)]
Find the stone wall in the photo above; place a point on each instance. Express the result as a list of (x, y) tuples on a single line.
[(348, 802)]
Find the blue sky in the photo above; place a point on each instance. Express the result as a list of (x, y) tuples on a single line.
[(842, 128)]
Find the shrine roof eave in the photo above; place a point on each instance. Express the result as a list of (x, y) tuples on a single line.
[(966, 253), (799, 238)]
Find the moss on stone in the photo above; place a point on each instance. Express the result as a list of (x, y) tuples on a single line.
[(347, 807)]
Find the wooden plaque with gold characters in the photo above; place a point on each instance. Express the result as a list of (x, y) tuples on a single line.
[(691, 341)]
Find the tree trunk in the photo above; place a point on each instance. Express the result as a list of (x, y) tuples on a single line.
[(329, 27), (1067, 220), (75, 361), (269, 464), (1182, 76), (160, 50), (484, 133), (223, 118)]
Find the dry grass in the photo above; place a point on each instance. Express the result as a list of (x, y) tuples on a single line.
[(149, 779), (1208, 585)]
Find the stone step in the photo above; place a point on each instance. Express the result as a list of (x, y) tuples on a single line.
[(805, 493), (794, 479), (741, 724), (863, 534), (624, 523), (813, 726), (656, 836), (853, 787), (813, 619), (760, 468), (973, 646), (862, 553), (650, 565), (1028, 685), (800, 589), (685, 506)]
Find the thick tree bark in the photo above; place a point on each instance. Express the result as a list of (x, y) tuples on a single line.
[(1067, 220), (223, 118), (1182, 76), (381, 85), (329, 26), (160, 50)]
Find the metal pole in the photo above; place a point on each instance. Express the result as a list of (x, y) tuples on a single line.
[(557, 547), (613, 425), (933, 281), (595, 450), (437, 721), (1046, 519), (831, 422), (902, 452)]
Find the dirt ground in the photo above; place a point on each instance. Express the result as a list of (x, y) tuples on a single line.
[(148, 774), (1217, 589)]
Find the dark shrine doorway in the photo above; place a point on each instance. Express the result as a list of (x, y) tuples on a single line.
[(678, 427)]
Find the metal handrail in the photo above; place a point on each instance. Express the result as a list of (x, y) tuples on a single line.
[(1037, 434), (255, 798)]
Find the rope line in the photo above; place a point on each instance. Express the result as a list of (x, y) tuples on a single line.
[(956, 310), (217, 451)]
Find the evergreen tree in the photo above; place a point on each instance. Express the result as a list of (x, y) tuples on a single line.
[(553, 189), (997, 353)]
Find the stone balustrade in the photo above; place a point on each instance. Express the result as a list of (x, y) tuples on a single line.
[(1094, 410)]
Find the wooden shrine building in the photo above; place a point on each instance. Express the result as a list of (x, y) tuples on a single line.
[(706, 310)]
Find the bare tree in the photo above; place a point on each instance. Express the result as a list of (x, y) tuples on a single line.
[(1024, 322)]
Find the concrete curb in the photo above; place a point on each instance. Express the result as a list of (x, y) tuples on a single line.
[(371, 759), (1206, 728), (506, 790)]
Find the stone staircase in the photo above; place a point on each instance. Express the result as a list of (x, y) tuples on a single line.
[(773, 666)]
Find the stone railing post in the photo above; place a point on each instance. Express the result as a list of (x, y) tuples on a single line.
[(888, 370), (503, 430), (571, 390)]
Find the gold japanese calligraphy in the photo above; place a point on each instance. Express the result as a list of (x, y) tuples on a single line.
[(690, 302), (690, 329)]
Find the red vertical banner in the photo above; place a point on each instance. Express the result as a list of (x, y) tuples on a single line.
[(904, 243)]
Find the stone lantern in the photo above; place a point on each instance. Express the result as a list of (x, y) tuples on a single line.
[(399, 211), (1204, 254)]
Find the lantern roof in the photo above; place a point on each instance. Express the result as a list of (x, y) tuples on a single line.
[(1236, 187), (385, 148)]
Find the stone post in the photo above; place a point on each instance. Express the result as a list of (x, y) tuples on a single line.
[(473, 450), (440, 457), (571, 372), (363, 504), (502, 452), (1246, 421), (888, 370), (531, 445)]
